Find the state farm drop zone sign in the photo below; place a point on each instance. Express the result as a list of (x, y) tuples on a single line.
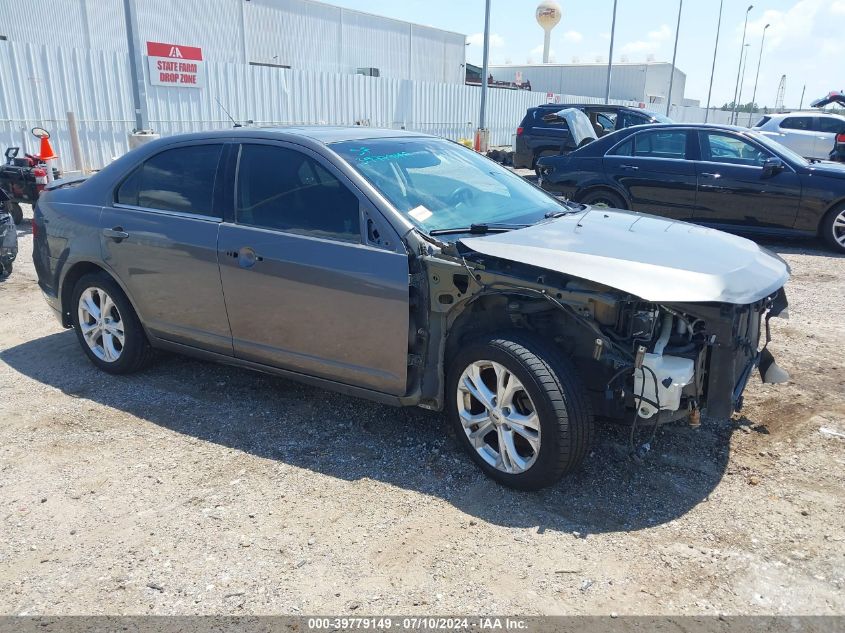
[(175, 66)]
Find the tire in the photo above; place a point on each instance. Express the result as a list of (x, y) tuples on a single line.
[(5, 269), (603, 197), (563, 416), (832, 229), (134, 351), (15, 210)]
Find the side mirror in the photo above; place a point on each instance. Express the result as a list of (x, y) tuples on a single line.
[(772, 166)]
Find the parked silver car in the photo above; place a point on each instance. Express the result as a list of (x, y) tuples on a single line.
[(809, 134), (409, 270)]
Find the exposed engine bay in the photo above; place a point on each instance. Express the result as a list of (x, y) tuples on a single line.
[(651, 362)]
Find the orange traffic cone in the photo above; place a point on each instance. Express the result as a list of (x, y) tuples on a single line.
[(47, 152)]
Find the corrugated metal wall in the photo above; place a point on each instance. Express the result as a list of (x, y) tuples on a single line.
[(47, 82), (302, 34), (633, 82)]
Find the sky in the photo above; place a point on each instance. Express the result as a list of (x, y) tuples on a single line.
[(804, 41)]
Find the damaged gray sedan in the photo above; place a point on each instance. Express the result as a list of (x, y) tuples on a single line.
[(412, 271)]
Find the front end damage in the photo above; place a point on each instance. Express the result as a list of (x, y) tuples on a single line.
[(658, 361)]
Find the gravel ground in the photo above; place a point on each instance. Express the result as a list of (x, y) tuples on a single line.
[(198, 488)]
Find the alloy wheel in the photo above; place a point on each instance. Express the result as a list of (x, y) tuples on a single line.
[(838, 229), (498, 417), (101, 324)]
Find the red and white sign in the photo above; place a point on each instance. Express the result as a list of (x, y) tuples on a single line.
[(175, 65)]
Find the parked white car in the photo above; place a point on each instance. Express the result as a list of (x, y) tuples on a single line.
[(811, 134)]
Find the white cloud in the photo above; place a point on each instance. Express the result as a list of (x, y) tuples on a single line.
[(575, 36), (654, 40), (837, 7), (537, 51), (477, 39)]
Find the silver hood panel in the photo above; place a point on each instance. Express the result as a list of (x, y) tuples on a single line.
[(656, 259)]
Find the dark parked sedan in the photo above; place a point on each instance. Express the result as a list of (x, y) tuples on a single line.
[(412, 271), (730, 178)]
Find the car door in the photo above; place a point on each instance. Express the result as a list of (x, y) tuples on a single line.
[(826, 127), (734, 189), (159, 237), (652, 168), (797, 133), (304, 290)]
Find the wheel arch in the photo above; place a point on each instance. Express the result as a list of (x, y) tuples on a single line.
[(594, 187), (70, 278), (835, 205)]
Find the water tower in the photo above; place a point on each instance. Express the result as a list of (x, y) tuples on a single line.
[(548, 16)]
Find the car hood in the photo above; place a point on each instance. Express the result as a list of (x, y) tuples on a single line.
[(654, 258), (828, 169)]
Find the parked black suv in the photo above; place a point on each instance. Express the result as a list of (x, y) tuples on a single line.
[(543, 134)]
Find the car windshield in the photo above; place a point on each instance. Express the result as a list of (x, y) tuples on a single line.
[(778, 149), (440, 185)]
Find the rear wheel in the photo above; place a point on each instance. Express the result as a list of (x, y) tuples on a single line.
[(604, 198), (107, 327), (833, 229), (519, 410)]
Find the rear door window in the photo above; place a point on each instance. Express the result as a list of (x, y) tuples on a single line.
[(623, 149), (763, 121), (661, 144), (283, 189), (179, 179), (797, 123)]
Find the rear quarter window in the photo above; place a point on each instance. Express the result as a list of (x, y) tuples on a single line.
[(763, 121)]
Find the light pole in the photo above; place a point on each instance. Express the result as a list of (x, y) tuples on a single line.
[(713, 68), (741, 51), (674, 56), (735, 120), (484, 66), (610, 55), (756, 79)]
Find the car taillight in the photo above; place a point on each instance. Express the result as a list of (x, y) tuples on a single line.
[(840, 138), (34, 229), (519, 131)]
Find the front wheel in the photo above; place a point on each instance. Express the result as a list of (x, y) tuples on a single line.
[(833, 229), (519, 409)]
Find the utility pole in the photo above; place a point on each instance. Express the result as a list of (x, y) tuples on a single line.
[(741, 51), (136, 71), (713, 67), (757, 78), (674, 56), (610, 55), (803, 90)]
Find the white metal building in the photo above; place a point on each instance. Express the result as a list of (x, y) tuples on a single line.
[(646, 83), (297, 34)]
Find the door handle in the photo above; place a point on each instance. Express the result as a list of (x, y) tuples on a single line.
[(117, 234), (629, 167), (247, 257), (709, 175)]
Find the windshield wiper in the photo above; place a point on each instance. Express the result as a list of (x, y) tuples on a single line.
[(478, 229)]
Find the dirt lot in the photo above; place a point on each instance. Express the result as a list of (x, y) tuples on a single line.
[(197, 488)]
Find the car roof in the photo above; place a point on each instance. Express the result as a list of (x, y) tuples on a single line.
[(781, 115), (324, 134)]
